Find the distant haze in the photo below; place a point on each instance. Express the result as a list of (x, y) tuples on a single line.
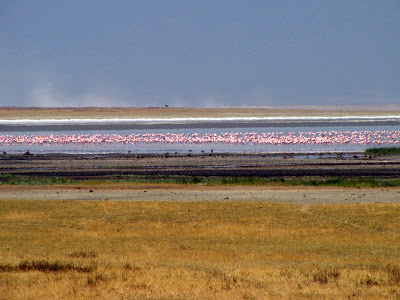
[(199, 53)]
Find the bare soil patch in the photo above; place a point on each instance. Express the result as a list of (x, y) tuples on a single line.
[(190, 193)]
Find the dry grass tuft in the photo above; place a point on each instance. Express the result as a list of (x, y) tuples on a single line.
[(44, 266), (83, 254), (323, 276)]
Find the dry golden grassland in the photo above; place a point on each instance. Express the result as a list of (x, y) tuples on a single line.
[(10, 113), (198, 250)]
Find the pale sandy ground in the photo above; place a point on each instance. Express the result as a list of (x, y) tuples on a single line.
[(15, 113), (172, 192)]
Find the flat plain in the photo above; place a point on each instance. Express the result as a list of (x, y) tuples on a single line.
[(14, 113), (111, 228), (191, 249)]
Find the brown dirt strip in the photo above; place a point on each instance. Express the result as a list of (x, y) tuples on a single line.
[(173, 192)]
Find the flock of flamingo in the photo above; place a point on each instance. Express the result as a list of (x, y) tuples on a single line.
[(269, 138)]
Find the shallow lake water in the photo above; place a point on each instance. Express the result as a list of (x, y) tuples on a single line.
[(245, 137)]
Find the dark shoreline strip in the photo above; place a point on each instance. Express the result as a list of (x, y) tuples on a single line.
[(251, 172)]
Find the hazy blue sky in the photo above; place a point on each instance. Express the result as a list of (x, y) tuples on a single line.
[(199, 53)]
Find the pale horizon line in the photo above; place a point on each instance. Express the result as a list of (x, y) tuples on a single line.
[(193, 120), (371, 107)]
